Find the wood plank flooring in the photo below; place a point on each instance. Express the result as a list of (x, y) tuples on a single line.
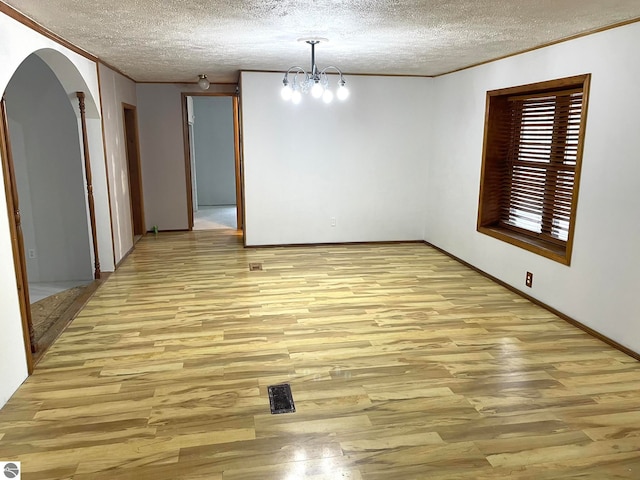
[(403, 364)]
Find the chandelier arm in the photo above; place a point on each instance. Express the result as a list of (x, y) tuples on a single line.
[(324, 71), (296, 70)]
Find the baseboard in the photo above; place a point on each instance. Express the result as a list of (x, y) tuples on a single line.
[(559, 314), (124, 257), (335, 244)]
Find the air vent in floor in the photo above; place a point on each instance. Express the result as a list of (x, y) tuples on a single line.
[(281, 399)]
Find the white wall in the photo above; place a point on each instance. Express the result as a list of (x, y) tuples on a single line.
[(51, 183), (116, 90), (600, 287), (162, 153), (214, 147), (17, 42), (362, 162)]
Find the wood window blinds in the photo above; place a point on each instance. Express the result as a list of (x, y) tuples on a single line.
[(533, 144)]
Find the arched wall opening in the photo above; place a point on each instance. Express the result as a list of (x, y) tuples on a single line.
[(46, 143), (72, 81), (49, 175)]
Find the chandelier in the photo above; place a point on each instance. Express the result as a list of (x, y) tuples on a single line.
[(315, 82)]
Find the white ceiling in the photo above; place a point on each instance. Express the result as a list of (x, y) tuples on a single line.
[(174, 40)]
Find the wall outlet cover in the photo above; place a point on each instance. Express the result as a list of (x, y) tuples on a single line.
[(528, 281)]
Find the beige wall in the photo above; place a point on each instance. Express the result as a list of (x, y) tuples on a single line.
[(162, 153), (116, 90)]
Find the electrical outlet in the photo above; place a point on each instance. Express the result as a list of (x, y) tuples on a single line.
[(333, 221), (32, 253), (529, 280)]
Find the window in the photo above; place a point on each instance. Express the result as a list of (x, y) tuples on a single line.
[(531, 165)]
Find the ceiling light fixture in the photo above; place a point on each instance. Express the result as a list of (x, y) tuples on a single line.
[(316, 81), (203, 82)]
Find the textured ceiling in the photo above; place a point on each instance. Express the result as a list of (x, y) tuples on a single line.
[(174, 40)]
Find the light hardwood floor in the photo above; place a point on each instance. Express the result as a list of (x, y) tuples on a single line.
[(403, 364), (215, 217)]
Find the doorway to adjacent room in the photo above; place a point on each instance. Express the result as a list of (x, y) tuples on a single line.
[(213, 162)]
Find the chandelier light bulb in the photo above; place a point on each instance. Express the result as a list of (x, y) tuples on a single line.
[(286, 92), (327, 96), (343, 92), (296, 97), (203, 82), (317, 90)]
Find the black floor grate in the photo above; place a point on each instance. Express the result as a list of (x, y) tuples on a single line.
[(281, 399), (255, 267)]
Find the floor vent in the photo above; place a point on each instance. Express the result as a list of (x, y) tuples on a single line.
[(281, 399), (254, 267)]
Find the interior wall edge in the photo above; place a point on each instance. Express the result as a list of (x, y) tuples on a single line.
[(106, 165)]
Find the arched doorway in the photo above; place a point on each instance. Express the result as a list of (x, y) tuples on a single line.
[(48, 183)]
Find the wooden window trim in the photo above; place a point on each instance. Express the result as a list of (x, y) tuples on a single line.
[(488, 209)]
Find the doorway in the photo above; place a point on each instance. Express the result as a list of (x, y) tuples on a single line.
[(212, 160), (52, 223), (130, 116)]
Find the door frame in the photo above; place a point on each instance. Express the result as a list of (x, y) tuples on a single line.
[(136, 202), (237, 154)]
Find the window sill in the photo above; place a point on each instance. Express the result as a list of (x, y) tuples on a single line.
[(557, 253)]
